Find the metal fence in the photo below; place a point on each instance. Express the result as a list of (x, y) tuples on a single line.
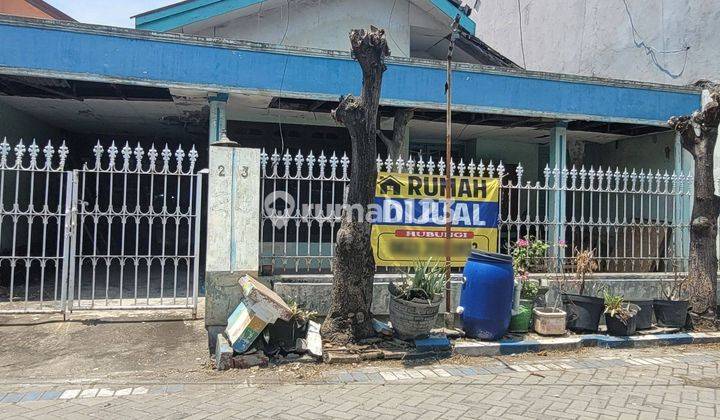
[(120, 233), (634, 220)]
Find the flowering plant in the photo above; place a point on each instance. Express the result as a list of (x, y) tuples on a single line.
[(526, 253)]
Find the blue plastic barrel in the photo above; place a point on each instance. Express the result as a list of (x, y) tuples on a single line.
[(487, 295)]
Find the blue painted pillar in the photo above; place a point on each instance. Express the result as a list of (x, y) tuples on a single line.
[(218, 119), (556, 196)]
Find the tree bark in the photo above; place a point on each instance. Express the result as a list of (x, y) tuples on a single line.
[(349, 318), (395, 144), (699, 134)]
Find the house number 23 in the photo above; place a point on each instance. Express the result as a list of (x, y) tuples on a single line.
[(244, 171)]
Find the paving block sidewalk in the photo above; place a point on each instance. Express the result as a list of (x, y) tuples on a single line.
[(650, 384)]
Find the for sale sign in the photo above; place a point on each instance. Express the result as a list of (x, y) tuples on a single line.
[(410, 225)]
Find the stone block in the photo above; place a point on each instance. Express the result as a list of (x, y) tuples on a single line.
[(223, 353)]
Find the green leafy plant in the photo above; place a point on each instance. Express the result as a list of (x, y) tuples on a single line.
[(616, 306), (530, 289), (300, 315), (424, 281)]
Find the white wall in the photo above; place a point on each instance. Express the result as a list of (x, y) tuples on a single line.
[(595, 37), (306, 29)]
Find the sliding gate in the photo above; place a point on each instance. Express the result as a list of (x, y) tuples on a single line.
[(123, 232)]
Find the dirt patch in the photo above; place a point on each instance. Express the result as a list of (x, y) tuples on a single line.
[(102, 345)]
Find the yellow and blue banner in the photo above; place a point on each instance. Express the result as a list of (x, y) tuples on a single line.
[(410, 224)]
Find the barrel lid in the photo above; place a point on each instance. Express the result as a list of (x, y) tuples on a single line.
[(490, 257)]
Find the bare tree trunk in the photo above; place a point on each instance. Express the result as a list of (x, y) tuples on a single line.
[(396, 143), (349, 318), (699, 134)]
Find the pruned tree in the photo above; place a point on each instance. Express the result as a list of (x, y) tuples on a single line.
[(395, 144), (349, 317), (698, 134)]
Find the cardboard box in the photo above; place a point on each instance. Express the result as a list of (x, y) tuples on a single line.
[(259, 295), (245, 324)]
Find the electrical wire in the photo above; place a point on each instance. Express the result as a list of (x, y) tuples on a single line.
[(287, 22), (522, 42), (389, 32), (651, 51)]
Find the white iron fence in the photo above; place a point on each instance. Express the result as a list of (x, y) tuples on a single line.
[(633, 220), (121, 233)]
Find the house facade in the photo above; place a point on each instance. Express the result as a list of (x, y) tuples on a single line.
[(585, 161)]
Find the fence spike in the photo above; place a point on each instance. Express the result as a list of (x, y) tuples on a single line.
[(441, 166), (126, 153), (389, 164), (179, 157), (192, 155), (322, 160), (152, 156), (310, 163), (410, 165), (431, 166), (420, 165), (461, 168), (139, 153), (519, 171), (345, 163), (112, 153), (166, 153), (33, 152), (4, 150), (19, 154), (63, 153), (400, 164), (49, 151), (264, 158)]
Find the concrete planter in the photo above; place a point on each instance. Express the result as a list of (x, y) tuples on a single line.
[(412, 319), (549, 321)]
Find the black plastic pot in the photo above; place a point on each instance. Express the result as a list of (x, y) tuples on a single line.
[(671, 313), (583, 312), (616, 326), (643, 319), (283, 334)]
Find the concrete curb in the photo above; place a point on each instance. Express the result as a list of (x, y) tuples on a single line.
[(499, 348)]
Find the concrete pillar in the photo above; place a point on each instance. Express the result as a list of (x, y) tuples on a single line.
[(556, 201), (218, 119), (233, 222)]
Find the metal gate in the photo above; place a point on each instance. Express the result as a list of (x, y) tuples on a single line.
[(124, 230)]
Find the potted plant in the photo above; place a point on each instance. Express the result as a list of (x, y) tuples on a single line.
[(415, 303), (620, 316), (528, 254), (672, 310), (282, 335), (549, 320), (583, 308)]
